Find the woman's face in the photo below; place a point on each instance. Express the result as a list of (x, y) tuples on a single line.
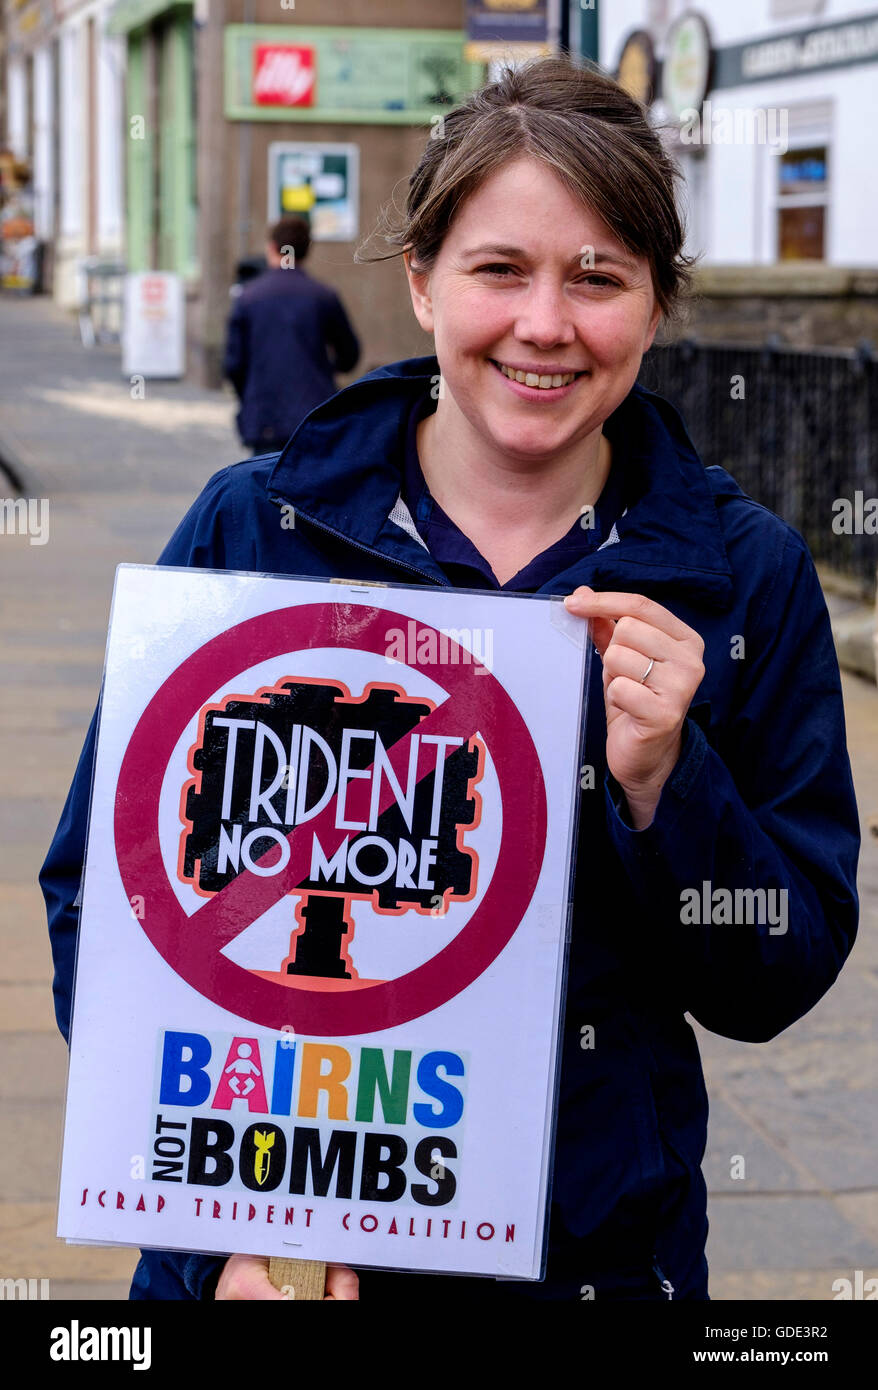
[(530, 279)]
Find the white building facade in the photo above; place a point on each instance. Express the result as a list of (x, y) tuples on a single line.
[(780, 153), (65, 81)]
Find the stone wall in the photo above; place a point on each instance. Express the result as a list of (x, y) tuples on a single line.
[(804, 304)]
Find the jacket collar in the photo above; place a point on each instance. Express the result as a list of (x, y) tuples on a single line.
[(342, 468)]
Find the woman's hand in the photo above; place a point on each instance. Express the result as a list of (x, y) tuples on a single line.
[(644, 717), (246, 1277)]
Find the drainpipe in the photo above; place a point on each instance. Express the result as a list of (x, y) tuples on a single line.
[(588, 26)]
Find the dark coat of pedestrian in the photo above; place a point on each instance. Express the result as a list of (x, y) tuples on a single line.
[(288, 335)]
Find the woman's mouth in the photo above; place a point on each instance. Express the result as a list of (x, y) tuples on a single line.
[(537, 382)]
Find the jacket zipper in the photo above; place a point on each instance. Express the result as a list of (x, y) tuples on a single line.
[(367, 550), (666, 1285)]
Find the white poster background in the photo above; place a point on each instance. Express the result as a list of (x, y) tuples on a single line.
[(154, 325), (504, 1024)]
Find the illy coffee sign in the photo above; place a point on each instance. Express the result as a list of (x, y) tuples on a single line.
[(283, 75)]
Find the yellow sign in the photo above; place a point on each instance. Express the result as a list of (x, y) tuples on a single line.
[(300, 198)]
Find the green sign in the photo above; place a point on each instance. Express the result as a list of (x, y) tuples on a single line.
[(319, 182), (365, 76)]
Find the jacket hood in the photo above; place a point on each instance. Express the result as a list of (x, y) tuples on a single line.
[(342, 468)]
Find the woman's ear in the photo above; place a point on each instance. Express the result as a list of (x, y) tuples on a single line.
[(419, 289)]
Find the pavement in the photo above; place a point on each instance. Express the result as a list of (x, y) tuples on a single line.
[(791, 1160)]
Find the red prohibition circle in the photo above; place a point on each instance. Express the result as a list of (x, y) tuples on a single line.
[(192, 945)]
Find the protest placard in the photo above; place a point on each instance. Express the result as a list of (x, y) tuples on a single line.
[(323, 922)]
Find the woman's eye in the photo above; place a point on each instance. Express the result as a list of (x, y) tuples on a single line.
[(504, 272)]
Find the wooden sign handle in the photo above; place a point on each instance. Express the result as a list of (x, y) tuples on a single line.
[(298, 1279)]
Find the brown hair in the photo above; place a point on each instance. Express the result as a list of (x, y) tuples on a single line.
[(292, 232), (583, 125)]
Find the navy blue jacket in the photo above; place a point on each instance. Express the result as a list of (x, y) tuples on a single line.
[(287, 336), (761, 798)]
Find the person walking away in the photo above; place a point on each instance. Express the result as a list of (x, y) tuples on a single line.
[(287, 337)]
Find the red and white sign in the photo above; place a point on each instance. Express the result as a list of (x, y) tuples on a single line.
[(154, 289), (154, 325), (477, 704), (283, 74)]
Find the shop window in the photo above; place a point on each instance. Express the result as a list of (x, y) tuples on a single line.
[(802, 197)]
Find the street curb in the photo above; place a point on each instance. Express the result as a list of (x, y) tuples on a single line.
[(854, 633)]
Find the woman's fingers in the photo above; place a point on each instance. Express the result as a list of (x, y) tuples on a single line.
[(630, 697), (602, 630), (652, 666), (245, 1278), (341, 1283), (651, 641), (644, 631), (622, 661), (587, 603)]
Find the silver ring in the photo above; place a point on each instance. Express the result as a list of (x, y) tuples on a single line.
[(647, 671)]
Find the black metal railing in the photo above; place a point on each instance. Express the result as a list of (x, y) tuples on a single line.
[(797, 429)]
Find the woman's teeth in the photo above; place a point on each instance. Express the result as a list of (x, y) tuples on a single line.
[(544, 383)]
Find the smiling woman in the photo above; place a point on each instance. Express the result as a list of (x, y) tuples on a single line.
[(542, 247)]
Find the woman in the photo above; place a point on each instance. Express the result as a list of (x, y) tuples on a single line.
[(542, 246)]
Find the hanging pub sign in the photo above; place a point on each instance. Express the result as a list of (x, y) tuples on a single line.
[(323, 922), (687, 68), (507, 28), (636, 70)]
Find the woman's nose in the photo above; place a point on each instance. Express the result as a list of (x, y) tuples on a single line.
[(544, 316)]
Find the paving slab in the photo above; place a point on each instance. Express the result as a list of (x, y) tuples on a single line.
[(784, 1231), (26, 1006), (731, 1139), (32, 1249), (78, 1291), (34, 1068), (24, 941), (30, 1160)]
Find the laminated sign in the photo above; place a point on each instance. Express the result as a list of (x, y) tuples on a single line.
[(323, 924)]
